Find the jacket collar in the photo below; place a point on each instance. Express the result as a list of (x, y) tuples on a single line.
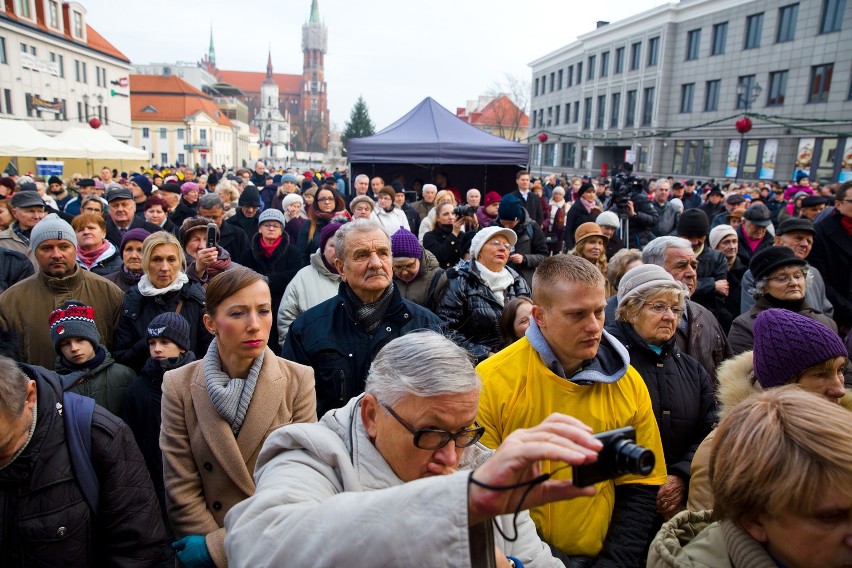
[(61, 285)]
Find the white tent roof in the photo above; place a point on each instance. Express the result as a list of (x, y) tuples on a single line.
[(99, 144), (19, 139)]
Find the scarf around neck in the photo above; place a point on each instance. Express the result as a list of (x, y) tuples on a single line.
[(369, 315), (497, 282), (269, 249), (89, 257), (230, 396), (148, 289)]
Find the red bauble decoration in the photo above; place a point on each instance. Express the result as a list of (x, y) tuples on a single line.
[(266, 142), (542, 137), (94, 123), (743, 125)]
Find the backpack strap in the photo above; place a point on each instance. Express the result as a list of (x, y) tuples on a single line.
[(78, 412)]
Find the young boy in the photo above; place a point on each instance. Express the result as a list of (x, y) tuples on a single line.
[(85, 366)]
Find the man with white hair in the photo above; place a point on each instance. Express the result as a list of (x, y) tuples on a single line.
[(361, 185), (426, 202), (397, 478), (473, 197)]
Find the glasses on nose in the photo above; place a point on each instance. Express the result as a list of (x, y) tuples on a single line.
[(660, 309), (785, 278), (500, 244), (325, 199), (434, 439), (404, 267)]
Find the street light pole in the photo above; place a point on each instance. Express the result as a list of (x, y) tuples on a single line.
[(748, 93)]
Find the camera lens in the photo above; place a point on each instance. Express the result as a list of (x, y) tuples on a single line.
[(633, 458)]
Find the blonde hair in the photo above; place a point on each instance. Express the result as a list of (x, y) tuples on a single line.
[(445, 196), (156, 239), (563, 268)]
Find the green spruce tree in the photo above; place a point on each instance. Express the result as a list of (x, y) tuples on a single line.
[(359, 124)]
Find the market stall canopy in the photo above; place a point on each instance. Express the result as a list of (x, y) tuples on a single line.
[(430, 134), (99, 144), (19, 139)]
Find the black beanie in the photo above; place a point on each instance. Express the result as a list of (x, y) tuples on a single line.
[(693, 223), (768, 260), (171, 326), (250, 197)]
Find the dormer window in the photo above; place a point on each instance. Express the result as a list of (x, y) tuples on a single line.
[(53, 15), (77, 18), (23, 9), (149, 108)]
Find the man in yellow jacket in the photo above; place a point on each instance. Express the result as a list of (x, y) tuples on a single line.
[(567, 363)]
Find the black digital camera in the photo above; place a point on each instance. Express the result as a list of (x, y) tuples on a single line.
[(619, 456), (464, 210)]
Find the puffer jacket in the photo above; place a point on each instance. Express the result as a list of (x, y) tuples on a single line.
[(311, 286), (741, 336), (131, 345), (735, 384), (692, 540), (532, 245), (14, 267), (681, 395), (669, 218), (472, 312), (428, 287), (44, 520), (105, 383)]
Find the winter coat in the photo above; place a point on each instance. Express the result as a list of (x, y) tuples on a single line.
[(744, 253), (206, 469), (532, 245), (730, 307), (669, 218), (45, 519), (613, 245), (247, 224), (422, 209), (107, 263), (14, 267), (106, 383), (712, 266), (483, 218), (113, 234), (292, 228), (306, 246), (701, 337), (832, 256), (532, 205), (336, 483), (470, 309), (131, 344), (741, 336), (183, 211), (27, 305), (576, 216), (815, 294), (681, 395), (735, 384), (233, 239), (412, 216), (389, 222), (328, 338), (445, 246), (13, 240), (641, 226), (122, 279), (712, 210), (312, 285), (279, 269), (428, 287), (693, 540)]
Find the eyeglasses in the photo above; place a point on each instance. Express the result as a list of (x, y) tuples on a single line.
[(659, 308), (325, 199), (785, 278), (407, 267), (500, 244), (433, 439)]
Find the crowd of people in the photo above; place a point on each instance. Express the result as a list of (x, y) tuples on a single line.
[(267, 367)]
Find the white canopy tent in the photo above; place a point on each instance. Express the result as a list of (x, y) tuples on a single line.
[(99, 144), (19, 139)]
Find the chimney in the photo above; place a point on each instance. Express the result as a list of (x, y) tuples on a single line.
[(601, 24)]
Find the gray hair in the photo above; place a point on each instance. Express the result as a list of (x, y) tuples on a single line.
[(655, 251), (759, 289), (210, 201), (421, 364), (362, 176), (13, 387), (357, 226), (631, 308)]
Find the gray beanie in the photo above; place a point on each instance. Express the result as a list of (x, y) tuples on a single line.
[(608, 219), (718, 233), (290, 199), (52, 227), (271, 215), (640, 279)]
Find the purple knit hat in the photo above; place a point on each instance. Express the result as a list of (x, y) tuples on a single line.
[(404, 244), (189, 186), (137, 234), (787, 343), (326, 233)]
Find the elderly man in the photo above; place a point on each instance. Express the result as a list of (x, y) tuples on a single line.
[(397, 478), (49, 518), (473, 197), (832, 255), (341, 336), (567, 363), (258, 176), (416, 271), (27, 305), (361, 185), (712, 283), (752, 233), (732, 202), (122, 216), (232, 238), (28, 210), (426, 202)]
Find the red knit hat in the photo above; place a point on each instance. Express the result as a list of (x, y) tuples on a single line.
[(491, 197)]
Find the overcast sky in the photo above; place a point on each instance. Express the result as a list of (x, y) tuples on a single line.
[(394, 53)]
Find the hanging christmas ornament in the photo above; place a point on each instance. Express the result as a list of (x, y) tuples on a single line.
[(743, 125), (94, 123)]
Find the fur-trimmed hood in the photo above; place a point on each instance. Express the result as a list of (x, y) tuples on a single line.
[(736, 383)]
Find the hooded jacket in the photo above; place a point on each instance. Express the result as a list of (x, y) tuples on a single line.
[(312, 285), (326, 482), (105, 383), (428, 287)]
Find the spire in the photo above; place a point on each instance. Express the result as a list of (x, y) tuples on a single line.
[(269, 64), (314, 12), (211, 52)]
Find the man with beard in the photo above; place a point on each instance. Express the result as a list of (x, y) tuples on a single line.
[(57, 190)]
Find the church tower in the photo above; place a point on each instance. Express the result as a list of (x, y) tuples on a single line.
[(211, 52), (273, 126), (313, 119)]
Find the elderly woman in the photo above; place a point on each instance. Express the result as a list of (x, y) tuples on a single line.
[(554, 220), (780, 281), (94, 252), (584, 210), (446, 240), (188, 205), (217, 412), (206, 262), (610, 224), (130, 250), (273, 256), (780, 471), (326, 206), (477, 290), (362, 207), (230, 196), (428, 223), (294, 217), (93, 204), (156, 211), (591, 245), (515, 320), (789, 348), (164, 287), (650, 303), (386, 214)]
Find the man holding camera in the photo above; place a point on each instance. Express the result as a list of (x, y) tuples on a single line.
[(630, 199), (568, 364), (531, 248)]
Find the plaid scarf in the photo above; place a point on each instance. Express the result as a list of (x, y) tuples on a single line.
[(369, 315)]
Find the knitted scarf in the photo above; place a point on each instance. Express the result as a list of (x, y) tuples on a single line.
[(497, 282), (230, 396), (89, 257), (268, 249), (148, 289), (369, 315)]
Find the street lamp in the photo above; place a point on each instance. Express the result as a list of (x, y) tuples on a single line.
[(747, 93)]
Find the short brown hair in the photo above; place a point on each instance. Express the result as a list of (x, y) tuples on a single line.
[(226, 284), (563, 268), (842, 191), (780, 450), (83, 219), (521, 173)]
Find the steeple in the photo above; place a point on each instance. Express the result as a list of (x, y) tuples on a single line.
[(314, 12), (269, 65), (211, 52)]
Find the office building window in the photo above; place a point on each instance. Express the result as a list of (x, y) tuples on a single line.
[(692, 157), (820, 83), (615, 105), (60, 63), (693, 44), (711, 95), (653, 51), (552, 81), (754, 27), (146, 132), (777, 88), (604, 64), (79, 112), (535, 88), (568, 154), (832, 16), (687, 91), (559, 80), (576, 112), (579, 72), (787, 16), (635, 55), (3, 58), (556, 109), (619, 60), (648, 107), (599, 123), (591, 68), (570, 75), (748, 82), (587, 113), (549, 116), (7, 98), (630, 112), (53, 14), (163, 133), (720, 38), (181, 132)]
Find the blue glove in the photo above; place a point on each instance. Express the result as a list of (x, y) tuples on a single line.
[(192, 552)]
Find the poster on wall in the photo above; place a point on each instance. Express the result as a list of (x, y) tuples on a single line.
[(732, 162), (767, 161), (804, 156), (846, 162)]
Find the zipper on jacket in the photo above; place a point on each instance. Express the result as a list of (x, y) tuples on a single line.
[(342, 385)]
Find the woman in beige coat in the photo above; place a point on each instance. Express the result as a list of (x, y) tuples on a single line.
[(217, 412)]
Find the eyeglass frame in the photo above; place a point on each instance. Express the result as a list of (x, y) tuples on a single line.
[(785, 278), (324, 199), (495, 243), (418, 433), (660, 308)]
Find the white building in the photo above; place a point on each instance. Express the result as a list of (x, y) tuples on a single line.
[(273, 126)]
